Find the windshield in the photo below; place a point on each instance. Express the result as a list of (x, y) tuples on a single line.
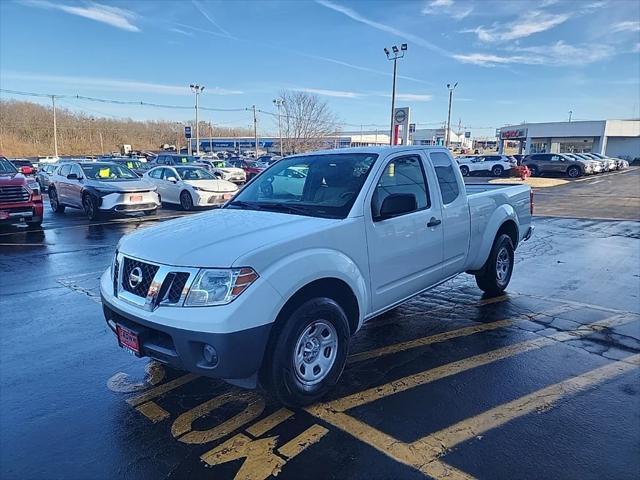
[(6, 166), (184, 159), (107, 172), (194, 173), (315, 185)]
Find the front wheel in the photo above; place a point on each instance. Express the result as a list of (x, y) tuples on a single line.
[(90, 206), (496, 273), (186, 202), (574, 172), (534, 170), (307, 354), (464, 171), (497, 171)]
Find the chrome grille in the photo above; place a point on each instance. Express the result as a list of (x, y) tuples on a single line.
[(177, 285), (116, 268), (148, 272), (13, 194)]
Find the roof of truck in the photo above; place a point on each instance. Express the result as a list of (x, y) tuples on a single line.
[(383, 151)]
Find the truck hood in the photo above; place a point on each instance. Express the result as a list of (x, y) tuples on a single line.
[(216, 238), (12, 179)]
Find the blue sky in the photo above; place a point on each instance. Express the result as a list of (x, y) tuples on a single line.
[(514, 60)]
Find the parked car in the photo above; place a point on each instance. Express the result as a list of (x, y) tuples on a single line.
[(271, 287), (518, 157), (43, 177), (138, 167), (610, 164), (26, 167), (99, 188), (20, 196), (497, 165), (251, 167), (221, 169), (268, 159), (190, 187), (560, 163), (173, 159)]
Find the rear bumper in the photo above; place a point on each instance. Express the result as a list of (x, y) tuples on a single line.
[(238, 355)]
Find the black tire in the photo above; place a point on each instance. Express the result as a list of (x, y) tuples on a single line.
[(464, 170), (186, 202), (574, 172), (279, 373), (54, 202), (493, 279), (35, 223), (497, 170), (90, 206), (534, 171)]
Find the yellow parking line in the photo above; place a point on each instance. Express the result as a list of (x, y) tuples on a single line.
[(307, 438), (263, 426), (422, 378), (153, 411), (160, 390), (440, 442), (451, 334)]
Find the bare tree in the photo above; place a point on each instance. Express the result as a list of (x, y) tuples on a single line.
[(307, 121)]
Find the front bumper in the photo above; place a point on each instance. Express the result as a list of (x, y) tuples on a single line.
[(21, 212), (204, 198), (130, 202), (177, 336)]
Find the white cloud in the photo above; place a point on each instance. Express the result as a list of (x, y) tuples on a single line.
[(352, 14), (204, 13), (558, 54), (414, 97), (628, 26), (114, 16), (181, 32), (528, 24), (441, 3), (330, 93), (447, 7), (109, 84)]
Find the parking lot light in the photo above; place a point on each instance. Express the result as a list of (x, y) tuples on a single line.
[(397, 53), (197, 90)]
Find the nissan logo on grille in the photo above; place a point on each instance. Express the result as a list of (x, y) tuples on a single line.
[(135, 277)]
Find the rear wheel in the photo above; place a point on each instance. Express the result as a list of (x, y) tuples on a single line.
[(574, 172), (497, 171), (186, 202), (306, 356), (90, 205), (496, 272), (534, 170), (464, 170), (54, 201)]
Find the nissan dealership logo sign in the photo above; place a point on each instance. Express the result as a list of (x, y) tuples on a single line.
[(515, 133)]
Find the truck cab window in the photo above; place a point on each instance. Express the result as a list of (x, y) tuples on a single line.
[(446, 177), (401, 175)]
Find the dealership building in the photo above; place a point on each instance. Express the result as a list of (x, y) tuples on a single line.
[(614, 138)]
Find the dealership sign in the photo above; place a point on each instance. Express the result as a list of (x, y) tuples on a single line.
[(514, 133)]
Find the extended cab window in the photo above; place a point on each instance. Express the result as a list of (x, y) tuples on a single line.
[(446, 176), (401, 175)]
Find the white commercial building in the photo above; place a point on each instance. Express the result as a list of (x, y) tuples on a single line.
[(437, 136), (614, 138)]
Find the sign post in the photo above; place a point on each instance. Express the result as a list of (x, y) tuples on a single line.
[(401, 120), (187, 135)]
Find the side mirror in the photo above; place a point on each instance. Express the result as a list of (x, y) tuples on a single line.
[(397, 204), (72, 176), (172, 179)]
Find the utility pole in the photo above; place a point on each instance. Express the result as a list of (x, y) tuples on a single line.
[(255, 131), (451, 89), (55, 127), (570, 115), (397, 53), (211, 137), (197, 89), (101, 143), (278, 102)]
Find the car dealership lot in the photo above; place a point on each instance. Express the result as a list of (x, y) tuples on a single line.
[(539, 383)]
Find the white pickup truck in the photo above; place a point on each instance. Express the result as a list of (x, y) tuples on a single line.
[(268, 289)]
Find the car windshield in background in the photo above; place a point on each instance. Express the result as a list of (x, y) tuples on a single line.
[(108, 172), (7, 167), (194, 173), (315, 185), (184, 159)]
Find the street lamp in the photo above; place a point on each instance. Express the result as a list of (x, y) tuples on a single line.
[(451, 89), (197, 89), (278, 102), (397, 53)]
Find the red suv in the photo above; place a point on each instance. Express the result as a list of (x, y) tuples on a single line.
[(20, 196)]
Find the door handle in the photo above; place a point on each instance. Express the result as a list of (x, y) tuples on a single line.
[(434, 222)]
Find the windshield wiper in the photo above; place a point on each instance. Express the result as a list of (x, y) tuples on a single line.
[(244, 205), (287, 207)]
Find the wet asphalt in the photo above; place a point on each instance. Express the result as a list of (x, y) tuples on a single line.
[(540, 383)]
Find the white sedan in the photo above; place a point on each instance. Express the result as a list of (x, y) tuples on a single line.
[(190, 186), (495, 164)]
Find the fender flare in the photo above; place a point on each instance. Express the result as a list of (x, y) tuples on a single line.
[(499, 217)]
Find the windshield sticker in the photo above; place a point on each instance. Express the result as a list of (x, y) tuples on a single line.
[(104, 173)]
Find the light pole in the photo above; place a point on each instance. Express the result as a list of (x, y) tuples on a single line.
[(451, 89), (255, 132), (278, 102), (570, 115), (55, 127), (197, 89), (397, 53)]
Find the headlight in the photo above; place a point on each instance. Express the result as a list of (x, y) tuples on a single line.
[(219, 286), (195, 188), (34, 186)]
